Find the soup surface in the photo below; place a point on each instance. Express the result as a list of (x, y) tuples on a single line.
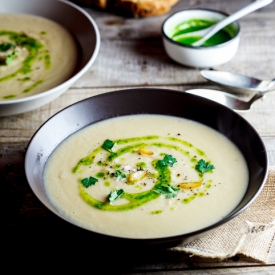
[(36, 54), (145, 176)]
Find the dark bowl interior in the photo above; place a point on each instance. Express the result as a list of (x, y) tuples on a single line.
[(148, 101)]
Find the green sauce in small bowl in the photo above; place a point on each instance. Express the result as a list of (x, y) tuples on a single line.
[(181, 31)]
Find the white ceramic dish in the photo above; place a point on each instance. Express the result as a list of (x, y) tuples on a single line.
[(200, 57), (85, 32)]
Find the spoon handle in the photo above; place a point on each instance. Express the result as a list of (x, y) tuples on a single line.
[(269, 88), (233, 17), (271, 84)]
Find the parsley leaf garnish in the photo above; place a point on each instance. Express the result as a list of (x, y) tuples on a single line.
[(203, 166), (120, 175), (108, 145), (169, 190), (6, 46), (89, 181), (115, 194), (168, 160)]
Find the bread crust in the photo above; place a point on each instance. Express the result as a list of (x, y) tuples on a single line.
[(145, 8), (135, 8), (103, 4)]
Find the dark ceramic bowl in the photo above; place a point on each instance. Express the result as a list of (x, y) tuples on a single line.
[(148, 101)]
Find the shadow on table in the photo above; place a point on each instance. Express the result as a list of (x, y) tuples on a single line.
[(52, 243)]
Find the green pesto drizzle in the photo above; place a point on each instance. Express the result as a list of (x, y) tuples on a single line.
[(128, 140), (185, 143), (33, 86), (135, 199), (162, 173), (192, 25), (9, 96), (100, 175), (47, 59), (141, 164), (107, 183), (187, 200), (34, 48), (87, 160), (24, 79), (156, 212), (130, 148)]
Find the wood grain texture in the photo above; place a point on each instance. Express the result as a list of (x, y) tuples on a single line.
[(132, 55), (21, 127), (144, 62), (267, 270)]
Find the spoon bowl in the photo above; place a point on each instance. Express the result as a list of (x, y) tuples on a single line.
[(238, 83), (225, 99)]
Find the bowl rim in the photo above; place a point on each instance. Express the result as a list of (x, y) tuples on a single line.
[(164, 35), (75, 76), (196, 233)]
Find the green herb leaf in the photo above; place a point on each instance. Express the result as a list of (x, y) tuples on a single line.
[(108, 145), (169, 190), (203, 166), (9, 58), (120, 175), (114, 195), (87, 182), (6, 46), (168, 160)]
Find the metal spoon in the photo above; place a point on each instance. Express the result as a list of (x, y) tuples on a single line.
[(210, 31), (228, 100), (238, 83)]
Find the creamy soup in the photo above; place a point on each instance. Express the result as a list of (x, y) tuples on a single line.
[(146, 176), (36, 54)]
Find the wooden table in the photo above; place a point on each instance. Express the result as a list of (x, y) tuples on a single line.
[(131, 55)]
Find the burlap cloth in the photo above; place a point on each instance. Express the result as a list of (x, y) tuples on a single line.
[(251, 233)]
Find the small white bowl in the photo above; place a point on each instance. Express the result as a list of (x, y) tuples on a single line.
[(78, 22), (203, 56)]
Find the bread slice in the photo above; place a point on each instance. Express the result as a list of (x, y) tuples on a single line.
[(135, 8), (102, 4), (145, 8)]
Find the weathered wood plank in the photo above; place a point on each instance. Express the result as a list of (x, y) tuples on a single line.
[(263, 270), (225, 6), (115, 27), (270, 147), (21, 127), (132, 52), (132, 55), (144, 62)]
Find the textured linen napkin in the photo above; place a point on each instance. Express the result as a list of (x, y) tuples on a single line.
[(250, 234)]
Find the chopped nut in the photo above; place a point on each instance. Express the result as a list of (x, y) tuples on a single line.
[(189, 185), (132, 178), (144, 151)]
